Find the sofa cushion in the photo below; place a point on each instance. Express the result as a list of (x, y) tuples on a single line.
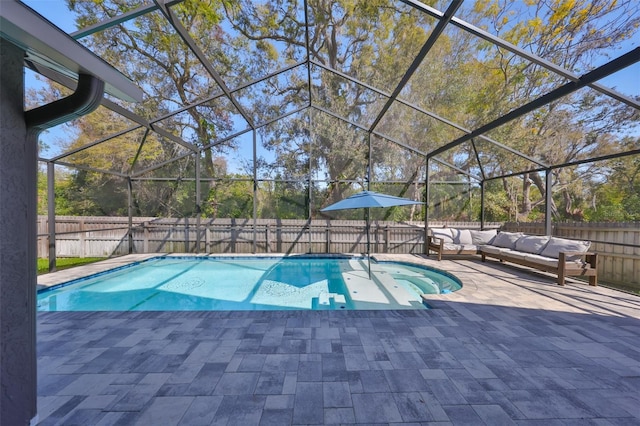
[(556, 245), (444, 233), (492, 249), (542, 260), (461, 236), (507, 239), (513, 254), (459, 248), (532, 243), (483, 237)]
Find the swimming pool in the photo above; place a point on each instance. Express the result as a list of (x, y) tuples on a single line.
[(197, 283)]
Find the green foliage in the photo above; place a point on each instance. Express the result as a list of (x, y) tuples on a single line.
[(65, 263), (497, 207), (229, 199), (283, 200)]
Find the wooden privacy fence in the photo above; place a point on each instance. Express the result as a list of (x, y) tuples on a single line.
[(618, 244), (108, 236)]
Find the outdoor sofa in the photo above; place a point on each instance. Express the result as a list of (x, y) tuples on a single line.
[(561, 256), (443, 241)]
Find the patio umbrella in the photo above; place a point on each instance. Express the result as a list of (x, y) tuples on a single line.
[(366, 200)]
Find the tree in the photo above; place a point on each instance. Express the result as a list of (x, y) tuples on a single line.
[(464, 80), (570, 34), (369, 41)]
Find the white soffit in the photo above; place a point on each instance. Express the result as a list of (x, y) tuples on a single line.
[(49, 46)]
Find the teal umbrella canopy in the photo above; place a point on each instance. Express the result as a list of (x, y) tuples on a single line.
[(369, 199)]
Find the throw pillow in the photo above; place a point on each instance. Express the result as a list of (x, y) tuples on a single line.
[(507, 239), (483, 237)]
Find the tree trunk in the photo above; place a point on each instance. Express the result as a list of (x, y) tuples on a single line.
[(538, 182), (526, 196)]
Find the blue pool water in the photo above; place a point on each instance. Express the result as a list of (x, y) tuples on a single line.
[(218, 283)]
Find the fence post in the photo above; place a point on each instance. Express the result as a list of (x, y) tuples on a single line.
[(279, 236), (187, 240), (268, 237), (145, 243), (207, 239), (82, 238), (387, 237), (233, 235), (328, 239), (171, 237)]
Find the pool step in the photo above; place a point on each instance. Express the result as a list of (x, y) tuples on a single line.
[(327, 301)]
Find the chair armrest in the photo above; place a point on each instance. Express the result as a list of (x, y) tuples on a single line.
[(435, 240), (590, 257), (578, 253)]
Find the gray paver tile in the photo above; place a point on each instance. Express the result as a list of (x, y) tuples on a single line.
[(374, 381), (239, 410), (111, 418), (202, 411), (270, 383), (279, 402), (308, 404), (236, 384), (336, 394), (206, 379), (281, 362), (548, 404), (252, 362), (339, 416), (165, 410), (87, 384), (276, 417), (413, 407), (333, 367), (446, 392), (290, 383), (406, 381), (375, 408), (493, 415), (462, 415), (310, 371), (472, 391), (140, 394)]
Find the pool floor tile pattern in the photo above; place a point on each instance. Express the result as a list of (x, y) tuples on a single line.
[(538, 354)]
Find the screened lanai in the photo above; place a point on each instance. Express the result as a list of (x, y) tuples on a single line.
[(260, 110), (487, 111)]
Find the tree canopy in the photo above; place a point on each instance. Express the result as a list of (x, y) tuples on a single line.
[(291, 108)]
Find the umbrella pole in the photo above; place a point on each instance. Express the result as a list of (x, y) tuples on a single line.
[(368, 243)]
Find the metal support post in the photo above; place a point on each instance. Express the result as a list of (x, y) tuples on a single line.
[(51, 214)]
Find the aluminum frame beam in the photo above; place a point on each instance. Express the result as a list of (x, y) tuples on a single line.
[(433, 37), (184, 34), (522, 53), (108, 23), (423, 111), (609, 68), (51, 47)]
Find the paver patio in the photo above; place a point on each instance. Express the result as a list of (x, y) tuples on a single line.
[(512, 347)]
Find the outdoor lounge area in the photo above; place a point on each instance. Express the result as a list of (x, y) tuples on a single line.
[(131, 129), (512, 347), (563, 257)]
